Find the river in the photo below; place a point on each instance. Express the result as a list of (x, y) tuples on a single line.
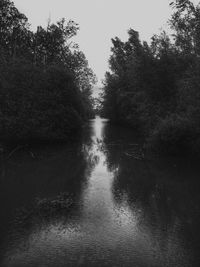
[(98, 202)]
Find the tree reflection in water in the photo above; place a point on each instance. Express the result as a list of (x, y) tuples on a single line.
[(41, 191), (93, 204), (164, 193)]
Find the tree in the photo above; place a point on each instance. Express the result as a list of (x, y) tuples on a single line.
[(15, 37), (186, 23), (45, 80), (53, 45), (155, 88)]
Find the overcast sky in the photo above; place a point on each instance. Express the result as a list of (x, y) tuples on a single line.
[(100, 20)]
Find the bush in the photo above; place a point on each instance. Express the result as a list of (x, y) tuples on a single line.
[(39, 104), (175, 135)]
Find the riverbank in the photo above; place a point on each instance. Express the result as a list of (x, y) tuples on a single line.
[(172, 140)]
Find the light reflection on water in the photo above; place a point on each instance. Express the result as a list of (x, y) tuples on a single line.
[(115, 222)]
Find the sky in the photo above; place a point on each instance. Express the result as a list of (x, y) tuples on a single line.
[(99, 21)]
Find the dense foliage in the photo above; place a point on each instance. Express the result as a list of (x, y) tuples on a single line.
[(45, 80), (155, 88)]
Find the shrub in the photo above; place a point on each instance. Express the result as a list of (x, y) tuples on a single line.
[(39, 104), (175, 135)]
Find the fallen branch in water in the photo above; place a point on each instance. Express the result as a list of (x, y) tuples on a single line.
[(32, 154), (17, 148), (133, 144), (113, 144), (134, 156), (14, 150)]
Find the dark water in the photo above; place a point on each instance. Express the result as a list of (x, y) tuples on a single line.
[(98, 203)]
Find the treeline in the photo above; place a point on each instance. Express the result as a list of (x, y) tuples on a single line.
[(155, 88), (45, 80)]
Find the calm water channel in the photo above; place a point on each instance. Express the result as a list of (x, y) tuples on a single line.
[(98, 203)]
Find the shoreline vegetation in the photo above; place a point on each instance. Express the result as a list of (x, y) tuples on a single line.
[(155, 88), (45, 80), (46, 83)]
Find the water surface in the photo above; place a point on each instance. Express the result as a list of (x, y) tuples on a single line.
[(98, 202)]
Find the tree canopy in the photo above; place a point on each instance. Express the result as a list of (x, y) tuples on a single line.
[(45, 80), (154, 87)]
